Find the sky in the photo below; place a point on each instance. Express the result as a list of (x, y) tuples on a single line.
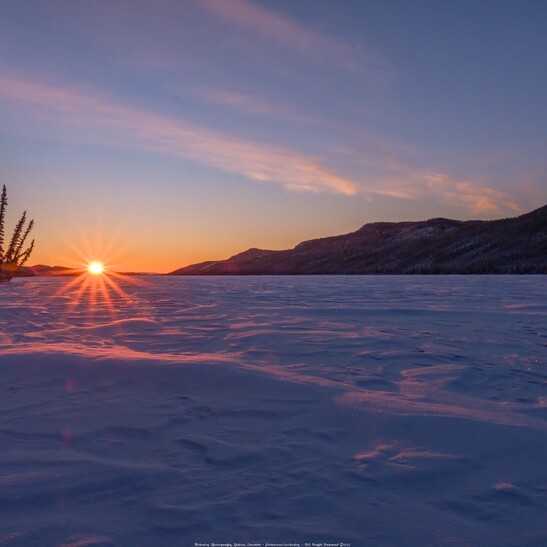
[(156, 134)]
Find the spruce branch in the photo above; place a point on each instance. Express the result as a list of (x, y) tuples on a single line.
[(25, 256), (19, 250), (15, 238), (3, 205)]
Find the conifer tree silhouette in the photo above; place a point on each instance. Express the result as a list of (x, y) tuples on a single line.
[(13, 259)]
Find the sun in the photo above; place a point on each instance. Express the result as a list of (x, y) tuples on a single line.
[(93, 284), (95, 268)]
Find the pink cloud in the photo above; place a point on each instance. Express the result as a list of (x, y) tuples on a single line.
[(274, 27), (81, 108), (246, 103), (417, 183)]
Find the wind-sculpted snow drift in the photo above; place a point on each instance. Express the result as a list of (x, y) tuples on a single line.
[(369, 410)]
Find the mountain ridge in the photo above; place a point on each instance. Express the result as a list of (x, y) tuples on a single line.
[(433, 246)]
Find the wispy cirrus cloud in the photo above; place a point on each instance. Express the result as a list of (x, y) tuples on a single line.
[(105, 120), (247, 103), (85, 109), (409, 182), (306, 42)]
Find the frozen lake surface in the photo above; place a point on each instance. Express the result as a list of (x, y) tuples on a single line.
[(368, 410)]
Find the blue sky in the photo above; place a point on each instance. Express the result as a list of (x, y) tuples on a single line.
[(179, 131)]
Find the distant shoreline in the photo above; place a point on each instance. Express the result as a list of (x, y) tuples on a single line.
[(437, 246), (169, 275)]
